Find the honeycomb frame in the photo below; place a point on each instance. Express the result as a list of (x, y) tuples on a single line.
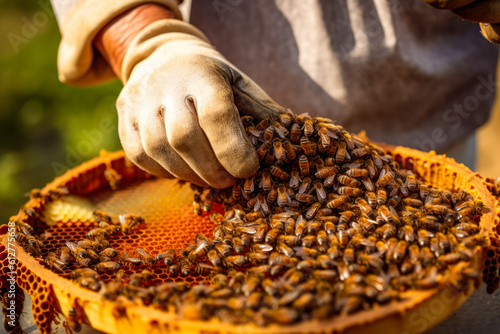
[(53, 295)]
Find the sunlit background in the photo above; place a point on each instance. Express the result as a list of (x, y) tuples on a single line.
[(48, 127)]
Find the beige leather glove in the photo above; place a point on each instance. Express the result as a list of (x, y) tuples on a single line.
[(485, 12), (179, 111)]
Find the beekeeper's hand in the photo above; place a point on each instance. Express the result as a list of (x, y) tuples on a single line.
[(179, 111), (485, 12)]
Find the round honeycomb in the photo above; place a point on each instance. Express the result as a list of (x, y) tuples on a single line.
[(170, 223)]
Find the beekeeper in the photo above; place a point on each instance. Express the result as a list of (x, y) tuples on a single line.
[(405, 72)]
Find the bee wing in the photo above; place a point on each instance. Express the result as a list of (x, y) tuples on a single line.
[(123, 219), (142, 252), (71, 245)]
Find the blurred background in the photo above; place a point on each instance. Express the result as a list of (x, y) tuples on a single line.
[(47, 127)]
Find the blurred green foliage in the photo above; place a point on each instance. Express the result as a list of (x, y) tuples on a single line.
[(46, 127)]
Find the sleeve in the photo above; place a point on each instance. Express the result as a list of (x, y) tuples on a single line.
[(79, 22)]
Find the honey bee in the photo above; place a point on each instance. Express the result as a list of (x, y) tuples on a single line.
[(349, 255), (307, 265), (146, 257), (411, 182), (306, 146), (320, 191), (185, 266), (262, 124), (128, 222), (312, 210), (86, 243), (429, 281), (256, 257), (174, 269), (236, 191), (308, 126), (284, 249), (65, 255), (107, 266), (54, 262), (350, 191), (271, 235), (73, 322), (481, 239), (400, 251), (279, 173), (30, 243), (356, 172), (130, 260), (346, 180), (385, 178), (280, 130), (427, 256), (238, 245), (92, 255), (423, 190), (97, 232), (373, 260), (386, 214), (437, 209), (325, 139), (364, 207), (269, 133), (138, 278), (286, 118), (337, 202), (235, 260), (254, 300), (304, 165), (31, 212), (78, 252), (295, 132), (283, 197), (264, 149), (214, 258), (249, 185), (386, 231), (424, 237), (360, 152), (246, 120), (340, 155), (24, 228), (279, 151), (304, 252), (344, 271), (168, 256), (208, 201), (368, 183), (197, 204), (84, 272), (101, 216), (223, 249)]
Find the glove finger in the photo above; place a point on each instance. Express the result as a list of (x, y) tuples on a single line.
[(190, 143), (155, 142), (480, 11), (251, 99), (220, 120), (491, 32), (131, 143), (448, 4)]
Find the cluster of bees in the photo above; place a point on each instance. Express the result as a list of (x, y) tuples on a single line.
[(328, 225)]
